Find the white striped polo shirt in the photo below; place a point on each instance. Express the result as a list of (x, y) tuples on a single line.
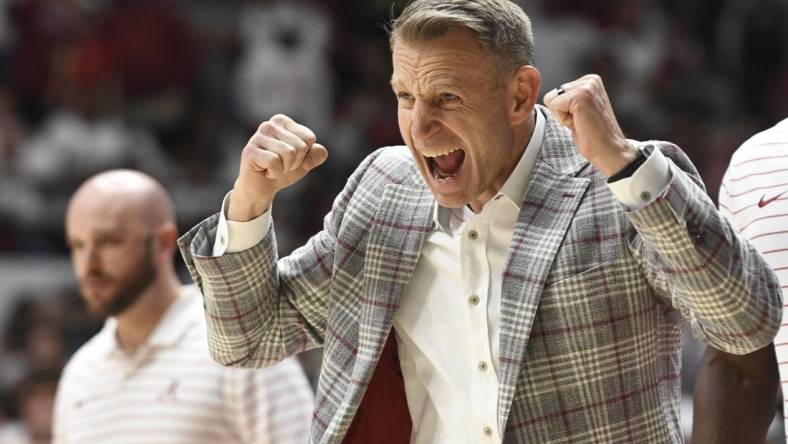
[(171, 391), (754, 197)]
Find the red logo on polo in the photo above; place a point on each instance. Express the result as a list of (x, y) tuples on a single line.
[(764, 201)]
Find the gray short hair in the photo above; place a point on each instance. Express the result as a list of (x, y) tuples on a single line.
[(499, 25)]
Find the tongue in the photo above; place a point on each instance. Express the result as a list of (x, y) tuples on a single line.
[(450, 163)]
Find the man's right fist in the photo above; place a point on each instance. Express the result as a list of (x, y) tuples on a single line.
[(277, 155)]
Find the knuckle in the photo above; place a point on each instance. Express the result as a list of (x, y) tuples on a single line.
[(310, 141), (279, 118), (258, 142), (266, 127), (591, 77), (248, 153)]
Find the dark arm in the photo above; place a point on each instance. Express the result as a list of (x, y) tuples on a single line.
[(734, 397)]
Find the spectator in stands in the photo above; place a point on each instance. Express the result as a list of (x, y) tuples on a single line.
[(284, 60)]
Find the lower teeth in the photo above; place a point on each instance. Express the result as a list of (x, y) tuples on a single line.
[(438, 174)]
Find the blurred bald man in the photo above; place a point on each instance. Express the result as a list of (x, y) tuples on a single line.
[(147, 377)]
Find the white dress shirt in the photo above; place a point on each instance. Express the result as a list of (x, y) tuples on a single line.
[(448, 322)]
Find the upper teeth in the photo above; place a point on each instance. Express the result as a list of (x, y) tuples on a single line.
[(439, 153)]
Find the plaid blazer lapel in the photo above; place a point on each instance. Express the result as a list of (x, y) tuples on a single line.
[(553, 195), (399, 227)]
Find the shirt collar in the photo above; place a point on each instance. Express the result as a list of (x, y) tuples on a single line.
[(513, 189), (171, 327)]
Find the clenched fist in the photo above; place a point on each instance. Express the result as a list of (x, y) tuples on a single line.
[(277, 155), (583, 106)]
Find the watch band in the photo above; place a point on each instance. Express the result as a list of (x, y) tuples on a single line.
[(630, 169)]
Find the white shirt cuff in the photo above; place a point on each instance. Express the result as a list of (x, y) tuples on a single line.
[(645, 184), (232, 236)]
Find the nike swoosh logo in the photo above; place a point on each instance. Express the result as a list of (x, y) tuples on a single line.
[(764, 201)]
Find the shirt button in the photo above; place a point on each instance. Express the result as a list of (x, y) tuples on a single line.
[(473, 235), (473, 300), (646, 196), (488, 431), (482, 366)]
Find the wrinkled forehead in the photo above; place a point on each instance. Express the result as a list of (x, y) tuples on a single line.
[(455, 56)]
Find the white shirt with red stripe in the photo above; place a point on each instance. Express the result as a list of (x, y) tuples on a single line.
[(754, 197), (171, 391)]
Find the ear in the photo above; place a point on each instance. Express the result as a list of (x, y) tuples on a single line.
[(166, 237), (522, 94)]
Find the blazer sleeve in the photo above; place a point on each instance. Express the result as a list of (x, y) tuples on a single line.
[(690, 253), (259, 308)]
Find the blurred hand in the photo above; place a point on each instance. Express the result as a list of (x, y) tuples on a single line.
[(585, 109), (277, 155)]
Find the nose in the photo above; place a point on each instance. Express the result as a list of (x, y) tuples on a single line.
[(90, 260), (424, 123)]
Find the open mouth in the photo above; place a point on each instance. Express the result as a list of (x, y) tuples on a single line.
[(446, 166)]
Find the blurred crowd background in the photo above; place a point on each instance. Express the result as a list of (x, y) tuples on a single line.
[(175, 87)]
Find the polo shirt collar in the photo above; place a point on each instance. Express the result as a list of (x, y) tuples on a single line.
[(172, 326)]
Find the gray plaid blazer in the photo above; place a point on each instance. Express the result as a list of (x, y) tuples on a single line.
[(592, 306)]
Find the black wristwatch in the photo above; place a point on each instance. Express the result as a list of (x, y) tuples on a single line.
[(630, 169)]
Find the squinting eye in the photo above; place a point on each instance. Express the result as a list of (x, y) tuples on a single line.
[(404, 96), (110, 241), (448, 97)]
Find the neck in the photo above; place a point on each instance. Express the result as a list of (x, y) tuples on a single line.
[(521, 136), (138, 321)]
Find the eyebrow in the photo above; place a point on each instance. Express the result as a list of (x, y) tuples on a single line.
[(395, 82), (447, 83), (108, 232), (441, 83)]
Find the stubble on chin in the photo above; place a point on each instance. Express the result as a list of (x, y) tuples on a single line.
[(126, 293)]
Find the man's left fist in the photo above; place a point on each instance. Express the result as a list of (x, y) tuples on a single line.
[(583, 106)]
